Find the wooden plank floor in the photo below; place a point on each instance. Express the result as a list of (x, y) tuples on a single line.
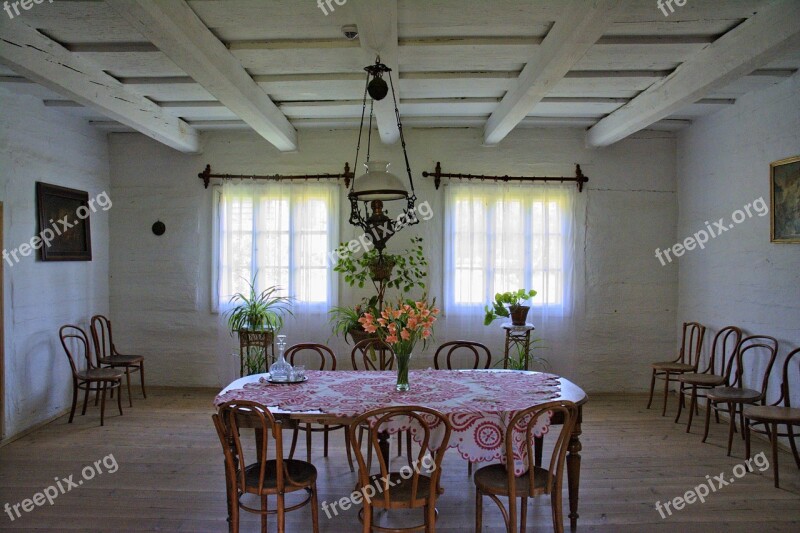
[(170, 475)]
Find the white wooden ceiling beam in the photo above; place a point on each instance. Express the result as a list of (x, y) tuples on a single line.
[(46, 62), (178, 32), (566, 43), (377, 32), (757, 41)]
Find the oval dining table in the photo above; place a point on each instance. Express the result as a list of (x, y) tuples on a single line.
[(486, 397)]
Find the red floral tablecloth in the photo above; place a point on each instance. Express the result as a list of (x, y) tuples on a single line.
[(478, 404)]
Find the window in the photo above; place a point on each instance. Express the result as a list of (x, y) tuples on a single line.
[(282, 232), (503, 238)]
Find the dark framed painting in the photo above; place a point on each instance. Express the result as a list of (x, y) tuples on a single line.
[(63, 217), (784, 193)]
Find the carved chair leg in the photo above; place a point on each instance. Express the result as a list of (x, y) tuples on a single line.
[(692, 408), (103, 403), (141, 376), (666, 393), (680, 402), (774, 445), (793, 444), (731, 426), (74, 400), (652, 388), (708, 417), (478, 511), (119, 397), (128, 377)]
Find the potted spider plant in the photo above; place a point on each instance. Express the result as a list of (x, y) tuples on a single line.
[(509, 304), (520, 360), (256, 317), (345, 320)]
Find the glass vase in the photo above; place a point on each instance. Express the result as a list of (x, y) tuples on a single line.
[(402, 372)]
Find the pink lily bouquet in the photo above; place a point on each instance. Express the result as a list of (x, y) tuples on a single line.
[(401, 327)]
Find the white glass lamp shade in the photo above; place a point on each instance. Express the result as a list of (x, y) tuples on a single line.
[(379, 184)]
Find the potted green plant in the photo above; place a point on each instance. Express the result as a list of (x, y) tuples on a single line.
[(402, 271), (345, 320), (256, 317), (518, 359), (509, 304)]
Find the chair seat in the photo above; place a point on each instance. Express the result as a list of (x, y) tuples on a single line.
[(733, 394), (773, 413), (694, 378), (400, 491), (100, 374), (122, 360), (493, 479), (669, 366), (301, 473)]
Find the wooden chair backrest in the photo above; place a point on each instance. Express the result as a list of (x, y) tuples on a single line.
[(101, 335), (785, 382), (372, 354), (316, 351), (755, 347), (471, 349), (691, 343), (429, 420), (73, 334), (723, 350)]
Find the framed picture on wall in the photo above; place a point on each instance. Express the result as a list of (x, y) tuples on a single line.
[(63, 217), (784, 193)]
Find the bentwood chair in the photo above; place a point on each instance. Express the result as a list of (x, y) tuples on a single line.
[(475, 354), (320, 356), (762, 350), (408, 487), (723, 351), (107, 354), (93, 378), (250, 484), (772, 416), (687, 360), (500, 480), (372, 354)]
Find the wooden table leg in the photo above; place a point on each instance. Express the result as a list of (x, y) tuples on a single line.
[(574, 471), (383, 444)]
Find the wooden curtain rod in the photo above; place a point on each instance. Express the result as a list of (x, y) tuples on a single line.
[(207, 176), (437, 176)]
